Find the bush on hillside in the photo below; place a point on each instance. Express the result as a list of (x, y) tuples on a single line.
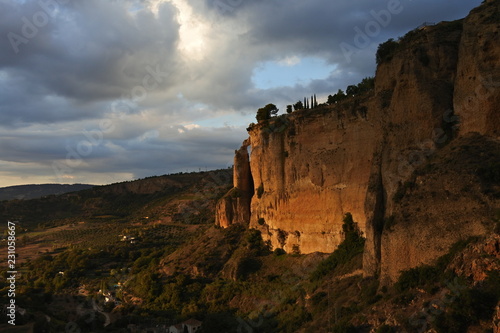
[(352, 245)]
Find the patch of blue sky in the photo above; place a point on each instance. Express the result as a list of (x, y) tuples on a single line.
[(231, 120), (290, 71)]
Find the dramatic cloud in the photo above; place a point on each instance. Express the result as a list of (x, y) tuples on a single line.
[(98, 91)]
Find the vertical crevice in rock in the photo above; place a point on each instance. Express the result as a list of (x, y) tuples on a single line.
[(375, 212), (242, 176), (282, 170)]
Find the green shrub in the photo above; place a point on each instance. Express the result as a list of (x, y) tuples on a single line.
[(402, 190), (386, 51), (279, 252), (410, 36), (496, 219), (385, 329), (417, 277), (220, 322), (448, 27), (422, 56), (247, 266), (235, 193), (290, 320), (344, 327), (352, 245), (385, 98), (389, 222), (254, 242), (317, 298), (404, 298), (469, 308), (282, 236), (367, 84), (443, 261), (260, 190), (266, 112), (369, 291), (426, 276), (490, 173)]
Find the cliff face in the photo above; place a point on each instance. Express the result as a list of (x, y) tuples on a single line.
[(415, 96), (434, 193), (476, 97), (402, 159), (447, 199), (309, 169), (234, 207)]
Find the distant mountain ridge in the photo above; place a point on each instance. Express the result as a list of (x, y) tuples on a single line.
[(25, 192), (184, 198)]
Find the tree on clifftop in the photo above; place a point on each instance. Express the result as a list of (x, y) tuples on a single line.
[(386, 51), (352, 90), (339, 96), (266, 112), (298, 106)]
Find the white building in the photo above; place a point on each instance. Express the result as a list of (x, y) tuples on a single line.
[(192, 325)]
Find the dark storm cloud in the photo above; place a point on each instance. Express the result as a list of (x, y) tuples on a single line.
[(275, 29), (86, 52), (95, 50), (318, 27), (156, 68)]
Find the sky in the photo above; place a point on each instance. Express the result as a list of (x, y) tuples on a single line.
[(103, 91)]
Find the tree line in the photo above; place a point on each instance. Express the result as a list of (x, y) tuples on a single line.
[(367, 84)]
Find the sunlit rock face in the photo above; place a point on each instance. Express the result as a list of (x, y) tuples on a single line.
[(396, 158)]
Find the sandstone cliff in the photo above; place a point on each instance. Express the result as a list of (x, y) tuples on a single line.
[(404, 159), (476, 98), (234, 207), (439, 195)]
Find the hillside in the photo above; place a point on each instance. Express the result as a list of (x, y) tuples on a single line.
[(231, 280), (182, 198), (37, 191)]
